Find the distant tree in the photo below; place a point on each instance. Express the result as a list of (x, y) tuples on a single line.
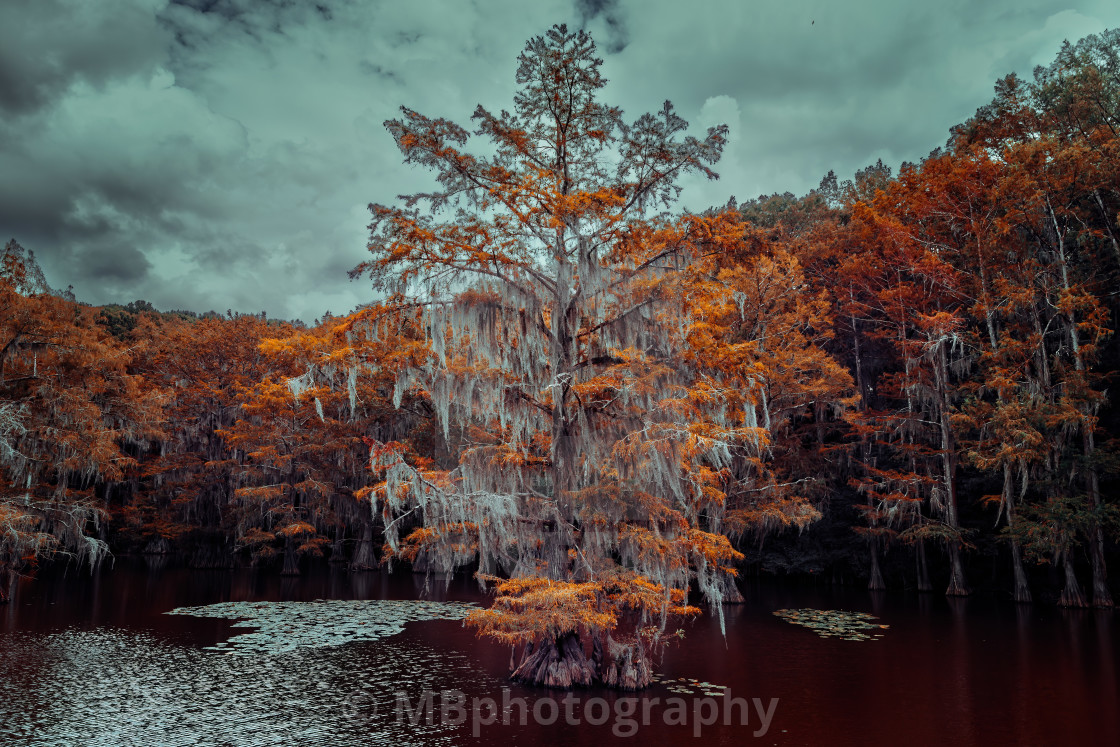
[(301, 442), (204, 369), (69, 411)]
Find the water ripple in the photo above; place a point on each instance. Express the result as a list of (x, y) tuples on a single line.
[(117, 688)]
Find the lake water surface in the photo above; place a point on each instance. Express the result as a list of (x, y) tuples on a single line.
[(95, 660)]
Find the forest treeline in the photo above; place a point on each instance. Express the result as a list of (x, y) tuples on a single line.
[(931, 354)]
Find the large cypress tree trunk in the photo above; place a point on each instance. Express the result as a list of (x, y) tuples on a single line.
[(291, 559), (157, 546), (923, 568), (1101, 595), (876, 581), (364, 559), (731, 593), (555, 662), (628, 668), (1071, 595), (338, 547), (957, 585), (1022, 591)]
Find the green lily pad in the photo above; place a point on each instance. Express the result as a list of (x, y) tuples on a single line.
[(847, 626), (288, 626)]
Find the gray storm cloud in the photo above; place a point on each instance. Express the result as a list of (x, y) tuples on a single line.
[(219, 154)]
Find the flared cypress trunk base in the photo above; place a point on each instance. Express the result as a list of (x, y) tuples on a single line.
[(923, 569), (157, 546), (628, 669), (1102, 597), (291, 562), (875, 583), (338, 548), (1022, 592), (211, 556), (560, 663), (957, 585), (364, 558), (1071, 595)]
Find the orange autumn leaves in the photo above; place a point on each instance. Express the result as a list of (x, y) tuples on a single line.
[(615, 386)]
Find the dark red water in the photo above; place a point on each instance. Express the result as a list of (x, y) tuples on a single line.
[(95, 661)]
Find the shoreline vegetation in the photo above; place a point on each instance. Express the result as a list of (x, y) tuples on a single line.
[(600, 405)]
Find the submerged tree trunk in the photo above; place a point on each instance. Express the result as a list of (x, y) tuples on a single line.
[(876, 581), (291, 559), (730, 591), (949, 456), (157, 546), (338, 547), (563, 663), (7, 581), (923, 568), (957, 585), (628, 668), (1022, 592), (211, 555), (1071, 595), (364, 558), (1101, 595), (732, 595), (553, 662)]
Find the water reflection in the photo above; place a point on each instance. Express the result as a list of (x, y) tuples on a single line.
[(114, 688), (96, 661)]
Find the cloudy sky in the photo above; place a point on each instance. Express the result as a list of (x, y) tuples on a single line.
[(220, 154)]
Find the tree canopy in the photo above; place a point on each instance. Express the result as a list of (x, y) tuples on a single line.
[(600, 368)]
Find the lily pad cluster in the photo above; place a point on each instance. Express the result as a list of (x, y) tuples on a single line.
[(688, 686), (288, 626), (847, 626)]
